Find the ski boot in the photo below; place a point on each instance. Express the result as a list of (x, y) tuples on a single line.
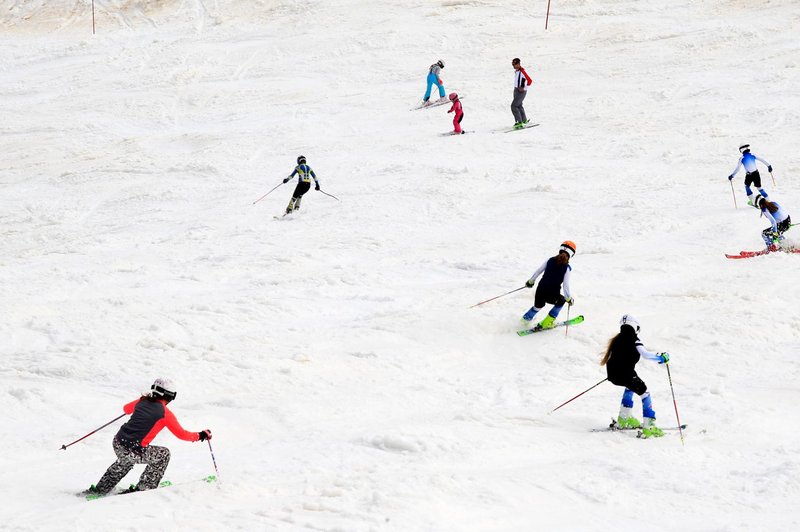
[(297, 203), (626, 420), (92, 493), (649, 429), (131, 489), (290, 207), (547, 322), (518, 125)]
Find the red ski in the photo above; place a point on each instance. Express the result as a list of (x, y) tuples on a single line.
[(749, 254)]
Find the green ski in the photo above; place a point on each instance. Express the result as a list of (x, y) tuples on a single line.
[(574, 321)]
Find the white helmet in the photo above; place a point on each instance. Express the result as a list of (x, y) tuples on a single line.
[(163, 388), (629, 320)]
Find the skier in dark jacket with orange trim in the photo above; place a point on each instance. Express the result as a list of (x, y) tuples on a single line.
[(149, 415)]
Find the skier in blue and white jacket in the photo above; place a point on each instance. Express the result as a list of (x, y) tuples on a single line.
[(748, 161), (779, 220), (555, 273)]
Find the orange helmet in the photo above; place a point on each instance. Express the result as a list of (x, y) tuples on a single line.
[(568, 247)]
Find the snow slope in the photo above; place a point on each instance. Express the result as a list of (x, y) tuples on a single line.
[(332, 353)]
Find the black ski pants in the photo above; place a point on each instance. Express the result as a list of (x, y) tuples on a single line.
[(129, 454)]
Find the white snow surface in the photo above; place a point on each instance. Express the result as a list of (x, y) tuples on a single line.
[(332, 353)]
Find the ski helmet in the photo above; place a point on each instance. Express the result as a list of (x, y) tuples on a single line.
[(744, 148), (453, 96), (568, 247), (631, 322), (301, 159), (440, 63), (163, 388), (759, 202)]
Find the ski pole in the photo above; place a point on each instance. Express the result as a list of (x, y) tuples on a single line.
[(674, 403), (547, 18), (268, 193), (331, 195), (497, 297), (567, 327), (583, 392), (64, 447), (773, 179), (212, 457), (734, 195)]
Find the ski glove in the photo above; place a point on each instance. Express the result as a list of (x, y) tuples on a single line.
[(316, 186), (769, 169), (286, 180), (663, 358), (529, 283), (730, 178), (204, 435), (570, 301)]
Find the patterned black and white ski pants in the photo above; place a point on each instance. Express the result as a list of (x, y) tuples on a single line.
[(129, 454)]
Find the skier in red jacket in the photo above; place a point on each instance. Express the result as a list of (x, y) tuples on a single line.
[(149, 414), (459, 113)]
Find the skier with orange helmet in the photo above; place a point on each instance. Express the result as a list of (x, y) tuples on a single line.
[(555, 273)]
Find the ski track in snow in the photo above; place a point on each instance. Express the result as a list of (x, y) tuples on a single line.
[(348, 386)]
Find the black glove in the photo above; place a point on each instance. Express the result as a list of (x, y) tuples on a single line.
[(204, 435), (730, 178), (316, 186), (769, 169), (286, 180), (529, 283)]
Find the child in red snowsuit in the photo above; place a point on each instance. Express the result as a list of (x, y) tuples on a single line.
[(459, 113)]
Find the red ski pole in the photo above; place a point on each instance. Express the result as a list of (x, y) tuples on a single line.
[(675, 404), (583, 392), (268, 193), (497, 297), (64, 447)]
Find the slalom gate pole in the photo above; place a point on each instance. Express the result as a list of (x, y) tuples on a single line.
[(64, 447), (583, 392), (268, 193), (547, 18), (497, 297), (331, 195), (212, 457), (734, 194), (674, 403), (773, 179)]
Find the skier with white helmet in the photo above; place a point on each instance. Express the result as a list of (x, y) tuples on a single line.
[(304, 175), (779, 220), (622, 354), (555, 273), (752, 177), (149, 415), (434, 79)]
